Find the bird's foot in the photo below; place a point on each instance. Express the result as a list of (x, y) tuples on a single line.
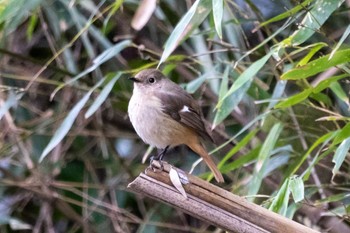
[(159, 157)]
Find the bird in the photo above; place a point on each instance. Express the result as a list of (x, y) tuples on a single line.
[(164, 115)]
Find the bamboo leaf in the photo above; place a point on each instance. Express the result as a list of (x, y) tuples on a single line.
[(318, 65), (313, 20), (340, 155), (194, 16), (263, 159), (292, 100), (218, 10), (103, 95), (341, 41), (296, 185), (280, 201), (67, 123)]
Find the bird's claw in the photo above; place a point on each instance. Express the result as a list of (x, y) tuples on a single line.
[(154, 167)]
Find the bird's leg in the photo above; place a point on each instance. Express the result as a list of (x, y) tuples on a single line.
[(159, 157)]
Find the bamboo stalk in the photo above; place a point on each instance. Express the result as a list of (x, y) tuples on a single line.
[(213, 204)]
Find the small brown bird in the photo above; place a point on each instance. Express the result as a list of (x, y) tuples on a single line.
[(164, 115)]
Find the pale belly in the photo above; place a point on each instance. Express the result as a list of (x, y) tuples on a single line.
[(153, 126)]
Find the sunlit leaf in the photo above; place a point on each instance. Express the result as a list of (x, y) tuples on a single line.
[(340, 155), (311, 53), (342, 39), (280, 201), (278, 92), (292, 100), (229, 103), (296, 185), (218, 10), (314, 19), (245, 77), (194, 16), (339, 92), (318, 65)]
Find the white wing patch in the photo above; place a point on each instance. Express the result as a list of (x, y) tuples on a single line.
[(185, 109)]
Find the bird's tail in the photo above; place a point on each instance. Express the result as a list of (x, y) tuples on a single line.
[(199, 149)]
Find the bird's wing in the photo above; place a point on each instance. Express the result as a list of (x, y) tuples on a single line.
[(183, 108)]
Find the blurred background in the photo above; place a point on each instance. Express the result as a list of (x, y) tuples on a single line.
[(272, 78)]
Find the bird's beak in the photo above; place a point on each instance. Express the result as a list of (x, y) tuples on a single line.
[(134, 79)]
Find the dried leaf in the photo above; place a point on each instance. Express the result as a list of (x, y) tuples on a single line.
[(175, 179)]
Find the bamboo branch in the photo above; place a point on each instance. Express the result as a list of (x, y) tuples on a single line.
[(212, 204)]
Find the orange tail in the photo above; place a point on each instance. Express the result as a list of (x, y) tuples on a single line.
[(199, 149)]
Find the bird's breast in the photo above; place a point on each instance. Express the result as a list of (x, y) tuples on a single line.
[(153, 125)]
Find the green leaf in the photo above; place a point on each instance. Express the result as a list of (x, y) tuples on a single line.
[(333, 198), (99, 60), (287, 14), (263, 159), (340, 155), (311, 53), (245, 77), (33, 21), (241, 161), (295, 99), (339, 92), (327, 82), (318, 65), (231, 102), (237, 147), (193, 86), (342, 39), (67, 123), (342, 134), (313, 20), (194, 16), (278, 92), (294, 168), (233, 151), (218, 9), (280, 202), (296, 185), (103, 95)]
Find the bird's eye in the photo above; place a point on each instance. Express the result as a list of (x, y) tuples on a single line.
[(151, 80)]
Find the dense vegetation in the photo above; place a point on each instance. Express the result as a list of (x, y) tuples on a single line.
[(272, 78)]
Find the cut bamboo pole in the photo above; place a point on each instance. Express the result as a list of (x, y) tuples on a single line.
[(213, 204)]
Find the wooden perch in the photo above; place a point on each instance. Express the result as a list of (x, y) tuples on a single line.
[(212, 204)]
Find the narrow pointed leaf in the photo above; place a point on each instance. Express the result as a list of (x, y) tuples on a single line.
[(67, 123), (280, 202), (340, 155), (194, 16), (314, 19), (318, 65), (218, 10), (102, 96), (246, 76), (296, 185), (263, 159)]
